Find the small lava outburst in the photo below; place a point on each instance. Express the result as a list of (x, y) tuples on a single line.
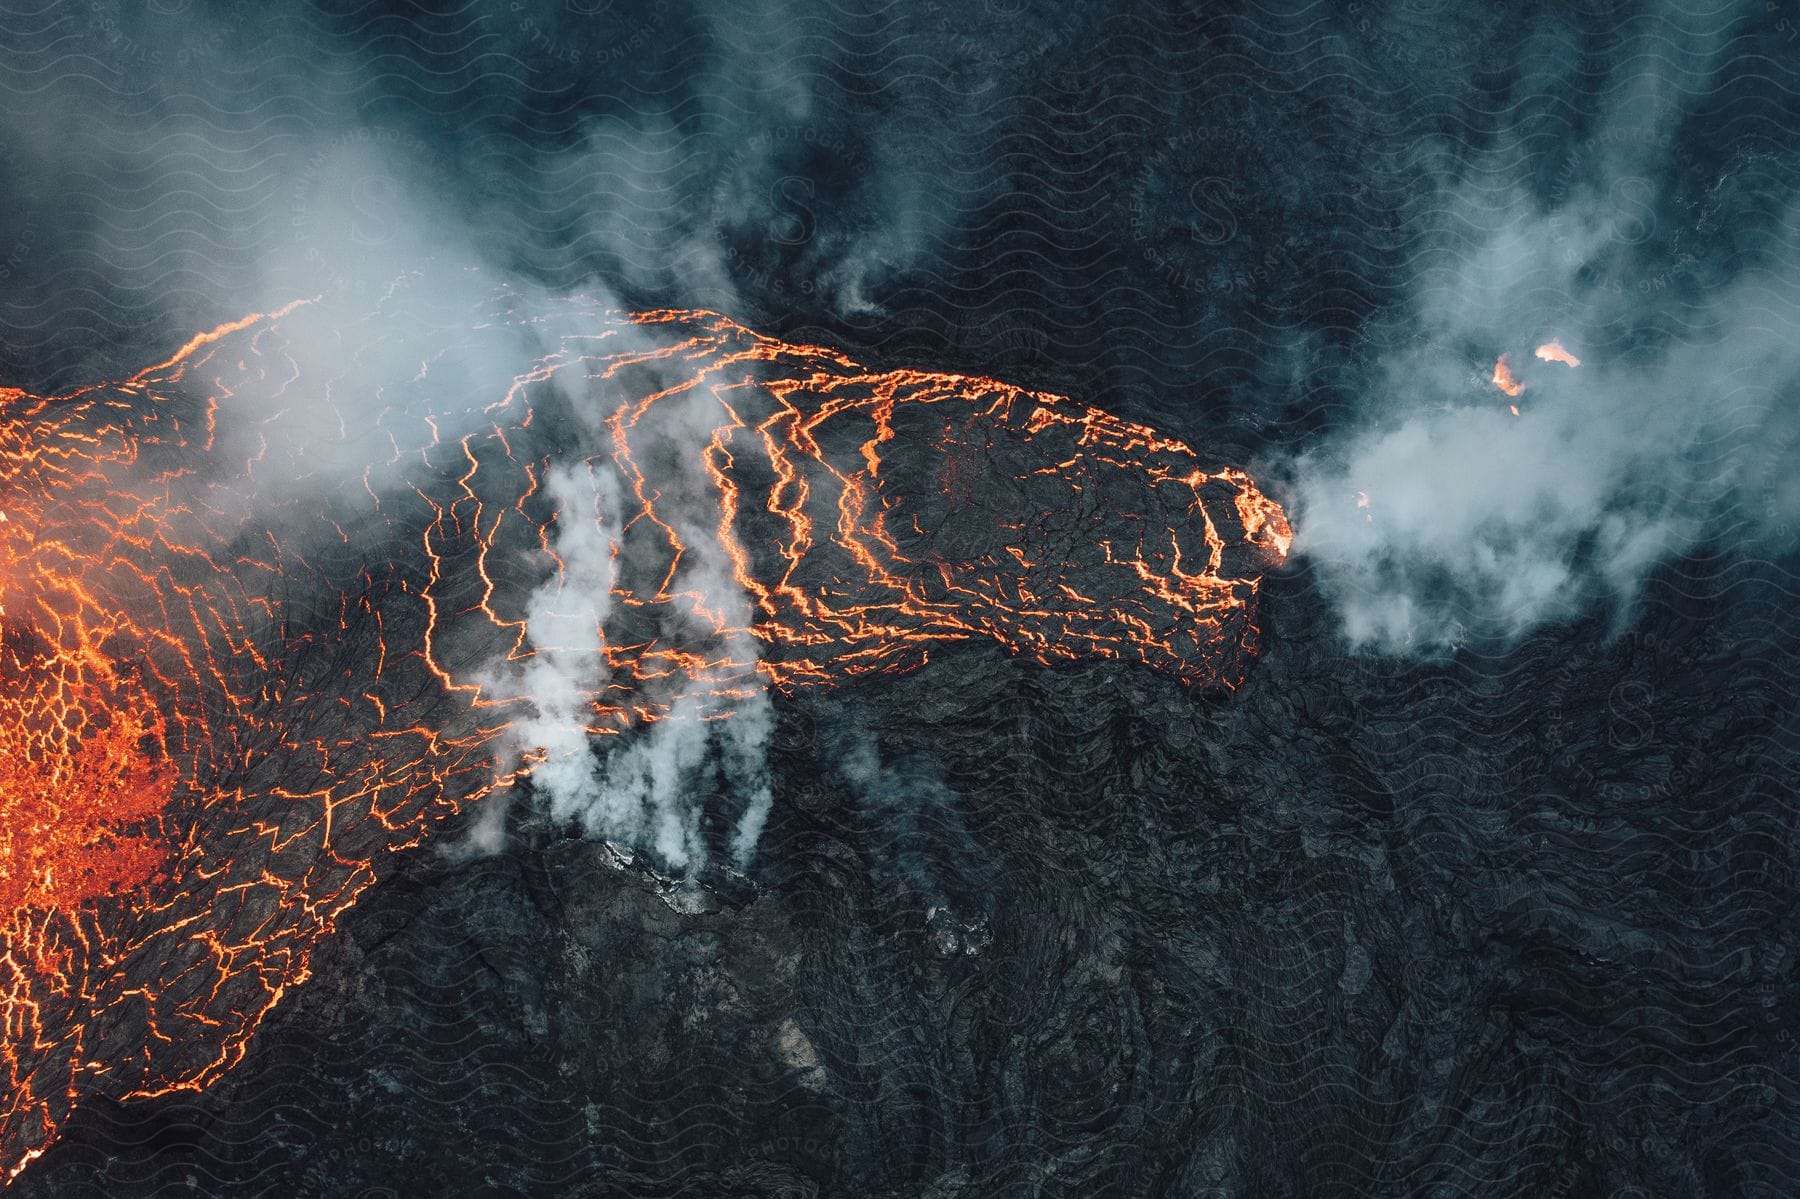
[(251, 617), (1504, 378), (1553, 351), (1508, 381)]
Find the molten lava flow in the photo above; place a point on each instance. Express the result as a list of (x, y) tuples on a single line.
[(1504, 378), (261, 628), (1552, 351)]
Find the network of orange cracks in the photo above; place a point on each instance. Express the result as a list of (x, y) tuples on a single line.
[(247, 658)]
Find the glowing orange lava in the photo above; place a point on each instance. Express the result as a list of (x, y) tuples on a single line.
[(1504, 379), (260, 630), (1552, 351)]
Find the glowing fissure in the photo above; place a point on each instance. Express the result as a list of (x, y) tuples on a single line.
[(244, 666)]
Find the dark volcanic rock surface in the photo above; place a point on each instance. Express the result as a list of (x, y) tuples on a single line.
[(1320, 935)]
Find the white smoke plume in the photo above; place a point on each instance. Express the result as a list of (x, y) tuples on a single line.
[(565, 623), (1439, 518), (647, 788)]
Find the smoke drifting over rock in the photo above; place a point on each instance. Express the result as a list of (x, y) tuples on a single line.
[(1447, 513), (230, 188), (245, 175), (1398, 920)]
